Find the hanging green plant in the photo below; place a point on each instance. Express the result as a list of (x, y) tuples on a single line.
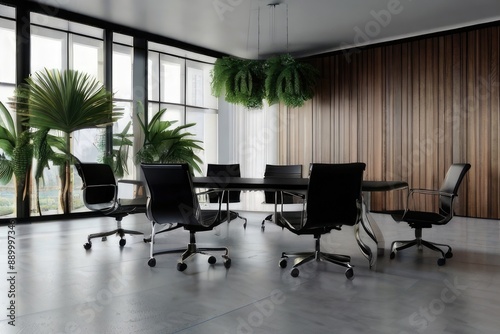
[(289, 81), (241, 81)]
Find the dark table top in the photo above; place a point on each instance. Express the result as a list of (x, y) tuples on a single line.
[(245, 183)]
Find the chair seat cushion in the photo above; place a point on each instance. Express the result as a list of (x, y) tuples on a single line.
[(293, 222), (209, 220), (417, 219)]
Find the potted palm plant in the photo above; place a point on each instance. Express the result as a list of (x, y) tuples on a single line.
[(16, 153), (55, 104), (164, 143)]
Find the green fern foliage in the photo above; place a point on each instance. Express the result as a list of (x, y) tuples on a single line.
[(279, 79), (289, 81), (240, 81)]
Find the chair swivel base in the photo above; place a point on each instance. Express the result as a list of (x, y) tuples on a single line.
[(104, 235), (305, 257), (420, 243), (189, 252)]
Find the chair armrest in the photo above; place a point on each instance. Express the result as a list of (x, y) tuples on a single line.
[(298, 195), (101, 185), (210, 191), (207, 192), (427, 192), (134, 182)]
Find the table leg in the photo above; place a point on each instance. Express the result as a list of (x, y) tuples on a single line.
[(371, 228), (367, 252), (374, 233)]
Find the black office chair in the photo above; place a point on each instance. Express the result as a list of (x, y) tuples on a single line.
[(172, 199), (233, 196), (278, 197), (424, 219), (100, 193), (333, 199)]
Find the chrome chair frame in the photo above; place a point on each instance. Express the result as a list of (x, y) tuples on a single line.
[(424, 219), (308, 221)]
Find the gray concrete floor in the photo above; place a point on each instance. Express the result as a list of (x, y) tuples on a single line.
[(62, 288)]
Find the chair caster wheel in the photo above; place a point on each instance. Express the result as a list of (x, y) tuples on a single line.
[(181, 266), (122, 242), (152, 262), (87, 245), (448, 254), (146, 240), (393, 255), (212, 259), (104, 238), (294, 272), (283, 263), (349, 273), (227, 263), (441, 261)]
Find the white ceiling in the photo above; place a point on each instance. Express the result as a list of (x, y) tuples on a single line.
[(253, 29)]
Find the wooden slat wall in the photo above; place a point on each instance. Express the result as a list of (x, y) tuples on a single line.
[(408, 110)]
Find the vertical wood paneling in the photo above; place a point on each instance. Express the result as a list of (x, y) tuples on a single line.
[(408, 110), (494, 86)]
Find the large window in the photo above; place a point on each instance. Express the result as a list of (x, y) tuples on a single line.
[(123, 54), (178, 80), (60, 44), (182, 86), (7, 85)]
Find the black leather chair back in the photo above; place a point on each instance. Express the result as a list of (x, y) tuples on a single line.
[(281, 171), (99, 185), (334, 194), (171, 196), (451, 183), (222, 171)]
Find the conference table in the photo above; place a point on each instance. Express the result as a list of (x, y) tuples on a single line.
[(300, 184)]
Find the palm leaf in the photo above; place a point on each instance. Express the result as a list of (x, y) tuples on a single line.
[(7, 131), (121, 145), (6, 121), (6, 170), (67, 101)]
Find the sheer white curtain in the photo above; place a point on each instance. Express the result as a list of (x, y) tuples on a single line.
[(252, 141)]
